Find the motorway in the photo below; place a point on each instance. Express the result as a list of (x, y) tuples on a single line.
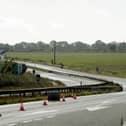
[(95, 110), (112, 105)]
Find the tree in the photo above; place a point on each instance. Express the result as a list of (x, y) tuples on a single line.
[(62, 46), (112, 47), (79, 46), (99, 46), (122, 47)]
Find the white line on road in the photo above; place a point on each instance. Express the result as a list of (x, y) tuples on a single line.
[(39, 112), (96, 108), (38, 119), (27, 121), (51, 116), (13, 124)]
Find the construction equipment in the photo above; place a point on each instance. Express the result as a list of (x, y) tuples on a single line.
[(12, 67)]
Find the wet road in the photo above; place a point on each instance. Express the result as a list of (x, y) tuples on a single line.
[(72, 112), (68, 80), (121, 81), (85, 118), (95, 110)]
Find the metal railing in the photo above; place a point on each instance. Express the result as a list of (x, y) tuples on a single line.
[(54, 89)]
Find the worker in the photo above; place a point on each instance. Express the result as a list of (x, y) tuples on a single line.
[(33, 72)]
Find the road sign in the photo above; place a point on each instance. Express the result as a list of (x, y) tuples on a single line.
[(18, 68)]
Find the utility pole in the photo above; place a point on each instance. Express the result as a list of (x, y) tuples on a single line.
[(54, 51), (53, 44)]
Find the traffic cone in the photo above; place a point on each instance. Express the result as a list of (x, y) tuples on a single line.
[(63, 99), (22, 107), (45, 103), (74, 97)]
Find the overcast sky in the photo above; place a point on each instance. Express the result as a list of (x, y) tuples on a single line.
[(70, 20)]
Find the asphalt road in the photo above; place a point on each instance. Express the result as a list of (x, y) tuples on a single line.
[(95, 110), (121, 81), (66, 79), (65, 112)]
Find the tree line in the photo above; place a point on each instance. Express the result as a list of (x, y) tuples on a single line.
[(64, 46)]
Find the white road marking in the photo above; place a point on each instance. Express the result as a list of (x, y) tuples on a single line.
[(38, 119), (108, 101), (13, 124), (27, 121), (96, 108), (124, 124), (39, 112), (51, 116)]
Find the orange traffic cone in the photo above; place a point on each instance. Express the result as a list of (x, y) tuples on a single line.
[(22, 107), (74, 97), (63, 99), (45, 103)]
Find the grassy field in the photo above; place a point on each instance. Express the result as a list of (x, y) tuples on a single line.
[(108, 63)]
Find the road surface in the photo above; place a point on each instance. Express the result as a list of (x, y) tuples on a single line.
[(121, 81), (94, 110), (107, 106), (68, 80)]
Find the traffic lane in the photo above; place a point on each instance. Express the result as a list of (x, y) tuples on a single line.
[(76, 119), (67, 82), (121, 81), (67, 79), (110, 98), (112, 116), (35, 111)]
